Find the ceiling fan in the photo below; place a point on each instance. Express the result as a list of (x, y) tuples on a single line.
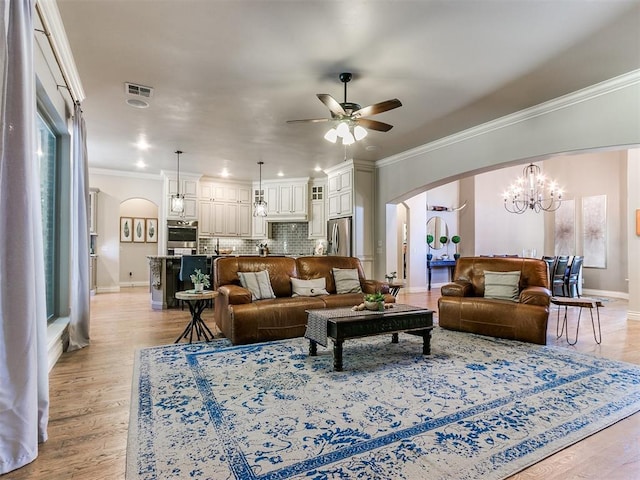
[(351, 125)]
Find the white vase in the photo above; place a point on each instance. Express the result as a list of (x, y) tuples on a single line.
[(199, 287), (374, 306)]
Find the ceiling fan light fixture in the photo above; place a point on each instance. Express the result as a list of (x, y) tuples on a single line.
[(331, 135), (343, 129), (359, 132), (348, 139)]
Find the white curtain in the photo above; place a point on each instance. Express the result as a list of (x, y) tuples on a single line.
[(24, 389), (79, 324)]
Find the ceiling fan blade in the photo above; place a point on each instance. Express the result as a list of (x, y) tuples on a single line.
[(374, 125), (377, 108), (332, 104), (310, 120)]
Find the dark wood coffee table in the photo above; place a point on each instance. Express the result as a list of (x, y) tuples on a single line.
[(342, 324)]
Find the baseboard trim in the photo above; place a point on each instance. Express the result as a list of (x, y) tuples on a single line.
[(633, 316), (55, 343), (604, 293), (111, 289), (134, 284)]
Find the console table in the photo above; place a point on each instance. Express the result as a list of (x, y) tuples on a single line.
[(450, 264)]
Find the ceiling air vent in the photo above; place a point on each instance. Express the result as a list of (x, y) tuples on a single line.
[(138, 90)]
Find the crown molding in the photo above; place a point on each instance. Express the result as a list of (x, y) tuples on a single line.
[(124, 173), (54, 29), (579, 96)]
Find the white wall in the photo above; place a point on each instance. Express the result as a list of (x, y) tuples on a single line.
[(134, 267), (497, 231), (633, 239), (602, 116), (115, 188)]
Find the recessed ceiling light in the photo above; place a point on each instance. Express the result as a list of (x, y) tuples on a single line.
[(318, 168), (142, 143), (137, 103), (225, 173), (371, 148), (280, 174), (140, 164)]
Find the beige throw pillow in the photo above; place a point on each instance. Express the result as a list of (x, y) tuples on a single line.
[(257, 283), (347, 280), (502, 285), (309, 288)]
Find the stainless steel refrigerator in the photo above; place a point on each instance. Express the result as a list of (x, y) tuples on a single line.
[(339, 236)]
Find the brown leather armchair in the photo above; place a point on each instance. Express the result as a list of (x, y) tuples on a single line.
[(463, 306)]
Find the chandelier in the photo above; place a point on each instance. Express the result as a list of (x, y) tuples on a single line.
[(260, 206), (347, 132), (177, 200), (532, 191)]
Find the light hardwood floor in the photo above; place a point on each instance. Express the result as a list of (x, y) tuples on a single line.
[(90, 393)]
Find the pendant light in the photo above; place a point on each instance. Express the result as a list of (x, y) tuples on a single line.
[(177, 200), (260, 206)]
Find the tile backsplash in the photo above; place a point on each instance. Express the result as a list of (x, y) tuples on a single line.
[(287, 238)]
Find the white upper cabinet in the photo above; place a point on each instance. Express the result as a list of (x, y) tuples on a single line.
[(225, 209), (340, 192), (188, 188), (318, 210), (287, 200)]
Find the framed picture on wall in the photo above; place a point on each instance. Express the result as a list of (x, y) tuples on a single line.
[(594, 224), (138, 230), (126, 229), (152, 230)]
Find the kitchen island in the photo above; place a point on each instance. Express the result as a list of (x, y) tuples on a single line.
[(164, 282), (163, 278)]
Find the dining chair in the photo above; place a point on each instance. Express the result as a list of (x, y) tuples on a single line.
[(572, 278), (551, 264), (558, 282)]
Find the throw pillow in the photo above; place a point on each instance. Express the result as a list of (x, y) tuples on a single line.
[(309, 288), (502, 285), (347, 280), (257, 283)]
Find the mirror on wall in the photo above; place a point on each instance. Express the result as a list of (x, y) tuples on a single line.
[(437, 227)]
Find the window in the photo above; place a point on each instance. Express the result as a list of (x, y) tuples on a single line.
[(47, 156)]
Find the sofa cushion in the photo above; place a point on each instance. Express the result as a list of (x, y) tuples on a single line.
[(257, 283), (309, 288), (347, 280), (502, 285)]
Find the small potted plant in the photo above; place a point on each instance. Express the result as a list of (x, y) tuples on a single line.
[(200, 280), (374, 301), (390, 276), (444, 240), (456, 240), (429, 243)]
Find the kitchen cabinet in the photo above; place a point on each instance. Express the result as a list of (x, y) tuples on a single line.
[(224, 210), (318, 210), (188, 188), (93, 262), (93, 210), (340, 192), (287, 200), (351, 192), (225, 192)]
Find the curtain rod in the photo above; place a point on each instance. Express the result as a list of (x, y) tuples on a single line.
[(47, 33)]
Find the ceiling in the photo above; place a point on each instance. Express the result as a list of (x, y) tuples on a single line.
[(228, 74)]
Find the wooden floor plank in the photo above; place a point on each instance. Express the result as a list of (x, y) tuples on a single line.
[(90, 392)]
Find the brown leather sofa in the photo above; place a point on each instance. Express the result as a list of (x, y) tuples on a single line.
[(244, 321), (463, 307)]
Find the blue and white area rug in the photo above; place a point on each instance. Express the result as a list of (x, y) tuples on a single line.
[(477, 408)]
